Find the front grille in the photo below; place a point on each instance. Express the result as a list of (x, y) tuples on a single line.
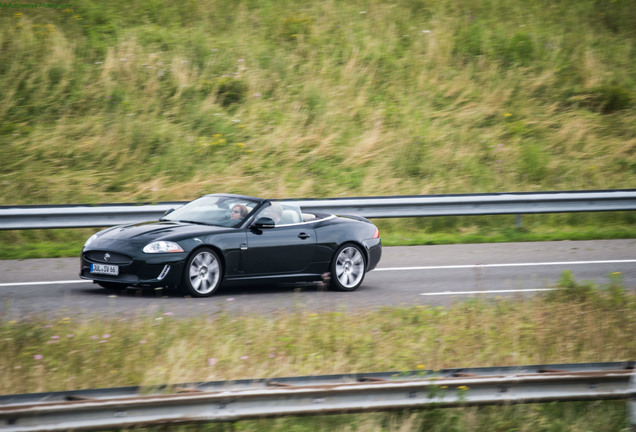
[(107, 257)]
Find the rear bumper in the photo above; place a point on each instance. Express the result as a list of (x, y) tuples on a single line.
[(374, 252)]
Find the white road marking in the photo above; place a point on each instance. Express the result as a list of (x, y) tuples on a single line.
[(44, 283), (486, 291), (470, 266)]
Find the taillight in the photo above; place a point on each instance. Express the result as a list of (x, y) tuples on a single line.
[(377, 233)]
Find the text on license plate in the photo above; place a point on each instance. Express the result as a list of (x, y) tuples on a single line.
[(111, 270)]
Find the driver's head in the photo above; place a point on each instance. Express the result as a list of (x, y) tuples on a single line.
[(239, 211)]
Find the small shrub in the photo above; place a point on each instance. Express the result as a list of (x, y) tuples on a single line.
[(411, 159), (605, 99), (568, 289), (616, 290), (292, 27), (315, 104), (533, 163), (610, 98), (231, 91), (468, 42), (518, 50)]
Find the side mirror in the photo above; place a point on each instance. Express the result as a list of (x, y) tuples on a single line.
[(168, 212), (265, 223)]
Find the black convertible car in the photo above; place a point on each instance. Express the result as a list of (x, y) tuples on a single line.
[(223, 239)]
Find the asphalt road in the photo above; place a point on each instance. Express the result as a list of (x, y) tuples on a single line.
[(415, 275)]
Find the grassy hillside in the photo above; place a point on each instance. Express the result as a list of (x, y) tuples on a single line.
[(125, 101)]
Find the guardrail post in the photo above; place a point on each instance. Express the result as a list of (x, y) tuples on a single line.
[(632, 400), (518, 220)]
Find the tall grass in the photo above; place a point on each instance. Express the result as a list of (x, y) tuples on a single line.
[(125, 101), (579, 322)]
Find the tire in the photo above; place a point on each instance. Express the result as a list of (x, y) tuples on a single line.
[(112, 285), (202, 273), (348, 268)]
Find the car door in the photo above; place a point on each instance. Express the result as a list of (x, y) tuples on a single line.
[(283, 249)]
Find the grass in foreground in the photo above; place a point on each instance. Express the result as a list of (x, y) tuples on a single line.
[(578, 323)]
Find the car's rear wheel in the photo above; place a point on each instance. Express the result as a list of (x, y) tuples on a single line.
[(202, 274), (347, 268)]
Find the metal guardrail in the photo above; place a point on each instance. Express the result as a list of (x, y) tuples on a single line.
[(233, 401), (209, 386), (79, 216)]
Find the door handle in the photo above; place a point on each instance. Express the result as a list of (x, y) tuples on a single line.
[(303, 236)]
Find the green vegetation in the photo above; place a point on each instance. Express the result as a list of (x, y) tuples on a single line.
[(125, 101), (579, 322), (129, 101)]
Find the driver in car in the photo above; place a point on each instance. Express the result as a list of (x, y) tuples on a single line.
[(239, 211)]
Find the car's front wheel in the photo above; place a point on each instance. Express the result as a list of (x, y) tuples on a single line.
[(202, 274), (347, 268)]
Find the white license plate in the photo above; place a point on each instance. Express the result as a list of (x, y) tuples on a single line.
[(111, 270)]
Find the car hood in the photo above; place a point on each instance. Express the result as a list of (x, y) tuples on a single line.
[(158, 230)]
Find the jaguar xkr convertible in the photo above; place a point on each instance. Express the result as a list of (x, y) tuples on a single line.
[(229, 239)]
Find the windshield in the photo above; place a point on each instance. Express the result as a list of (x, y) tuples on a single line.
[(214, 210)]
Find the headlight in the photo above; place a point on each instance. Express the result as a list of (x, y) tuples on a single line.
[(162, 246), (89, 241)]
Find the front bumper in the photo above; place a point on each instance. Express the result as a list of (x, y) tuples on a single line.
[(151, 270)]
